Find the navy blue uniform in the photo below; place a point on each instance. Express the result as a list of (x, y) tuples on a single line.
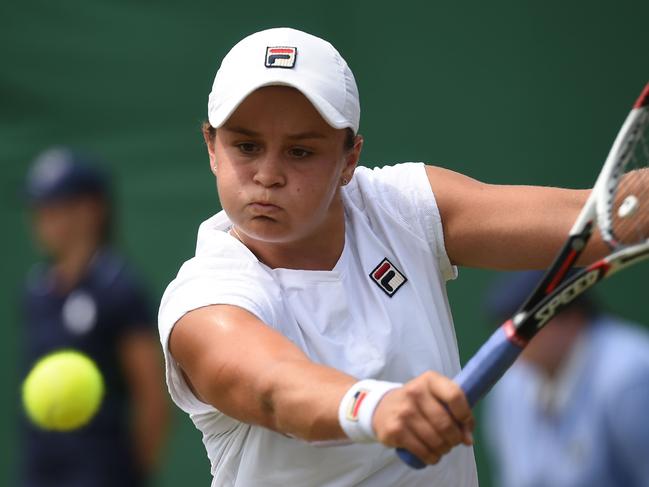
[(105, 306)]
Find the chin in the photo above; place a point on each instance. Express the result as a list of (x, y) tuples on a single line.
[(267, 230)]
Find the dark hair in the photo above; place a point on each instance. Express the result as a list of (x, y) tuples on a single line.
[(206, 128), (348, 145), (350, 139)]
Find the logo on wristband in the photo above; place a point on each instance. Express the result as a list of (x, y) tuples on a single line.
[(355, 404)]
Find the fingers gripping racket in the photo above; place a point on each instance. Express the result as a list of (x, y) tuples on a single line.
[(619, 206)]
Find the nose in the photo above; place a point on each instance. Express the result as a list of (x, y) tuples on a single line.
[(269, 171)]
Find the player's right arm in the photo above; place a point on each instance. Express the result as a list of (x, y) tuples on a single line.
[(252, 373)]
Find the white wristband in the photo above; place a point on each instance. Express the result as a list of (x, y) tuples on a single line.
[(357, 407)]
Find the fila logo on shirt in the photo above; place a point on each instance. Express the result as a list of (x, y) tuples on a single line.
[(280, 57), (388, 277)]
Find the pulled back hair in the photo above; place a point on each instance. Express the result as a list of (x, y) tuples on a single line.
[(348, 144)]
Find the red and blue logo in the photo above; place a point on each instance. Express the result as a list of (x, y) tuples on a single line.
[(281, 57), (355, 404), (388, 277)]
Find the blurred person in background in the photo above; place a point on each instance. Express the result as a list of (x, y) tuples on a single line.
[(572, 411), (86, 297)]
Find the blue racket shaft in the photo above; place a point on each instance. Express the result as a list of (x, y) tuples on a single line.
[(479, 375)]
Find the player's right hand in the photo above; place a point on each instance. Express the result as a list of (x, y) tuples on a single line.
[(428, 416)]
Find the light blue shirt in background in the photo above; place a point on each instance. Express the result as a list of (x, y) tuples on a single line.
[(595, 433)]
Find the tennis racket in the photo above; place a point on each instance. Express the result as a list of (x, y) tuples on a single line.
[(618, 206)]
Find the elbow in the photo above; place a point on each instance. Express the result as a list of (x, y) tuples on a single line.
[(266, 401), (288, 408), (267, 395)]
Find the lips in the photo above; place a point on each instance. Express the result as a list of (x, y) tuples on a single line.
[(263, 207)]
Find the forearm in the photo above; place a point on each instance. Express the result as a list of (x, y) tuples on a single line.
[(252, 373), (301, 398), (149, 409), (150, 418)]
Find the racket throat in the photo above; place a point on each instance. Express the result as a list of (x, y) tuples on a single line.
[(564, 261), (513, 335)]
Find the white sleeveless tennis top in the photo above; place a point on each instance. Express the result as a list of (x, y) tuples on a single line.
[(381, 313)]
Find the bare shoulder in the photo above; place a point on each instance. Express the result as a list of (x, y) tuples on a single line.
[(454, 192), (438, 173), (448, 184)]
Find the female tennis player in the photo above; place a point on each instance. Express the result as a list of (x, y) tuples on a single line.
[(311, 333)]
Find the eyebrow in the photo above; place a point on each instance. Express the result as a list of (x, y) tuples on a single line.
[(298, 136)]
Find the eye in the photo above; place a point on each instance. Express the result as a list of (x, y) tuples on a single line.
[(299, 153), (248, 148)]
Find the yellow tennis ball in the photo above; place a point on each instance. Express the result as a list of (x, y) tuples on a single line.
[(63, 391)]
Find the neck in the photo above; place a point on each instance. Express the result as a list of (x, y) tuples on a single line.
[(71, 265)]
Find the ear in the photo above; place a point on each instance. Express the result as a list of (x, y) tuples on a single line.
[(352, 157), (209, 143)]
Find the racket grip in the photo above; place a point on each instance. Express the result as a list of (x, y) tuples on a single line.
[(488, 365), (409, 459), (477, 377)]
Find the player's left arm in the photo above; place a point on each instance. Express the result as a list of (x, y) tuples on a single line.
[(139, 352), (506, 227)]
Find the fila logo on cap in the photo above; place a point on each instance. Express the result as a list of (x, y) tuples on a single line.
[(280, 57), (388, 277)]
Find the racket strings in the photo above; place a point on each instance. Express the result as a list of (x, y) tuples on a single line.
[(630, 214)]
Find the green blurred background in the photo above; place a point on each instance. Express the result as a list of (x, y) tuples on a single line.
[(510, 92)]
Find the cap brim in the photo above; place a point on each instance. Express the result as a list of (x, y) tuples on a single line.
[(218, 116)]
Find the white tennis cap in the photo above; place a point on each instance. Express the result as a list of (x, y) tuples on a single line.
[(286, 57)]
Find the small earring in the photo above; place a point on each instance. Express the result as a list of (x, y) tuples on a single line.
[(344, 181)]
